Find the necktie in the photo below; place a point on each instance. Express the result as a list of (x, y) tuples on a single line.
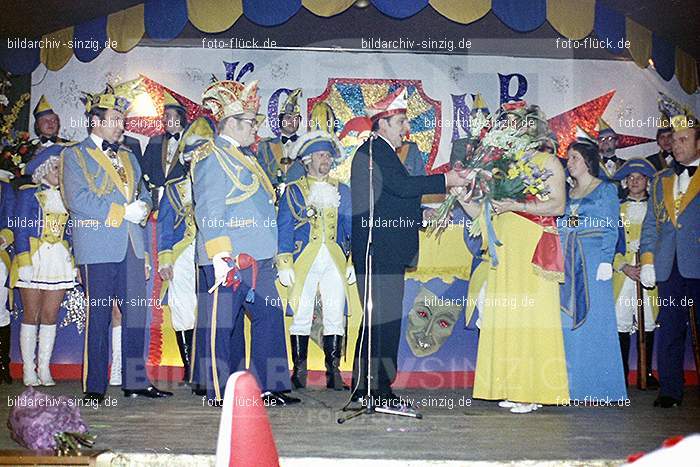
[(680, 168), (172, 135), (45, 140), (292, 138)]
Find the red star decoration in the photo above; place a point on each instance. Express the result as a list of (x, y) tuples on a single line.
[(584, 116), (625, 141)]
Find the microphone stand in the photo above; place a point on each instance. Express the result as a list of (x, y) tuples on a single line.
[(369, 406)]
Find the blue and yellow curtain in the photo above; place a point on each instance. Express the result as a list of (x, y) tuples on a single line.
[(164, 20)]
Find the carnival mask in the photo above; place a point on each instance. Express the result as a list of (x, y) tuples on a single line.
[(431, 321)]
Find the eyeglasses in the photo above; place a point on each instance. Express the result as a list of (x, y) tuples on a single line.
[(251, 121)]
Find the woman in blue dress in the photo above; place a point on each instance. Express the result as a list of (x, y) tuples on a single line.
[(588, 232)]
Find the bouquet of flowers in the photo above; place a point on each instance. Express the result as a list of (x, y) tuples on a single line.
[(16, 146), (500, 164), (39, 421)]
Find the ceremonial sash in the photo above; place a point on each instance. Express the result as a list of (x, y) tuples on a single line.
[(575, 298), (548, 259)]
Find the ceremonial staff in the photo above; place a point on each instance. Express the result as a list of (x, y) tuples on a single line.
[(641, 335)]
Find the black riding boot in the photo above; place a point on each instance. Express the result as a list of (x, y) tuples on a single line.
[(300, 352), (332, 350), (184, 343), (625, 350), (5, 355)]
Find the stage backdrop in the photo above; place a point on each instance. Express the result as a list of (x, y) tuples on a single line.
[(440, 91)]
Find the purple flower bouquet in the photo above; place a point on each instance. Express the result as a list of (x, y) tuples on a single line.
[(40, 421)]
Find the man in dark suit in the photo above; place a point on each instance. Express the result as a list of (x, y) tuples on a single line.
[(397, 218), (664, 138), (161, 161)]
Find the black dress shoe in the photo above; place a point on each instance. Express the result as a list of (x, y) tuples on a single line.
[(151, 392), (272, 399), (666, 402), (198, 390), (93, 396)]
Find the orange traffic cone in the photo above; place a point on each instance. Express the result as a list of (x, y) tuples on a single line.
[(245, 436)]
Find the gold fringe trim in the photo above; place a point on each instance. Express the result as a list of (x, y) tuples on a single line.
[(447, 275), (554, 276)]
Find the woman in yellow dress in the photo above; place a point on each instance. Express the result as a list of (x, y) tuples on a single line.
[(520, 359)]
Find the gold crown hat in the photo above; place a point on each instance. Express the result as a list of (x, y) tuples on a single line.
[(117, 97), (229, 98), (393, 104), (42, 108), (291, 105)]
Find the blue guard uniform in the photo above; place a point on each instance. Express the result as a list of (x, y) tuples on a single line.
[(176, 245), (670, 257), (314, 228), (235, 214), (108, 205)]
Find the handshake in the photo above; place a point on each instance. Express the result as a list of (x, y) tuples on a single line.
[(136, 212)]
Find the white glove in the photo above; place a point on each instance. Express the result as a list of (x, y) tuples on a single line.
[(286, 276), (135, 212), (604, 272), (221, 269), (648, 275), (350, 275), (25, 274)]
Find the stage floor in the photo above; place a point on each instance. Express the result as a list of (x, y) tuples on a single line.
[(479, 432)]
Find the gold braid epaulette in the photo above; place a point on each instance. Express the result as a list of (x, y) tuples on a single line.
[(107, 184), (248, 190), (202, 151)]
